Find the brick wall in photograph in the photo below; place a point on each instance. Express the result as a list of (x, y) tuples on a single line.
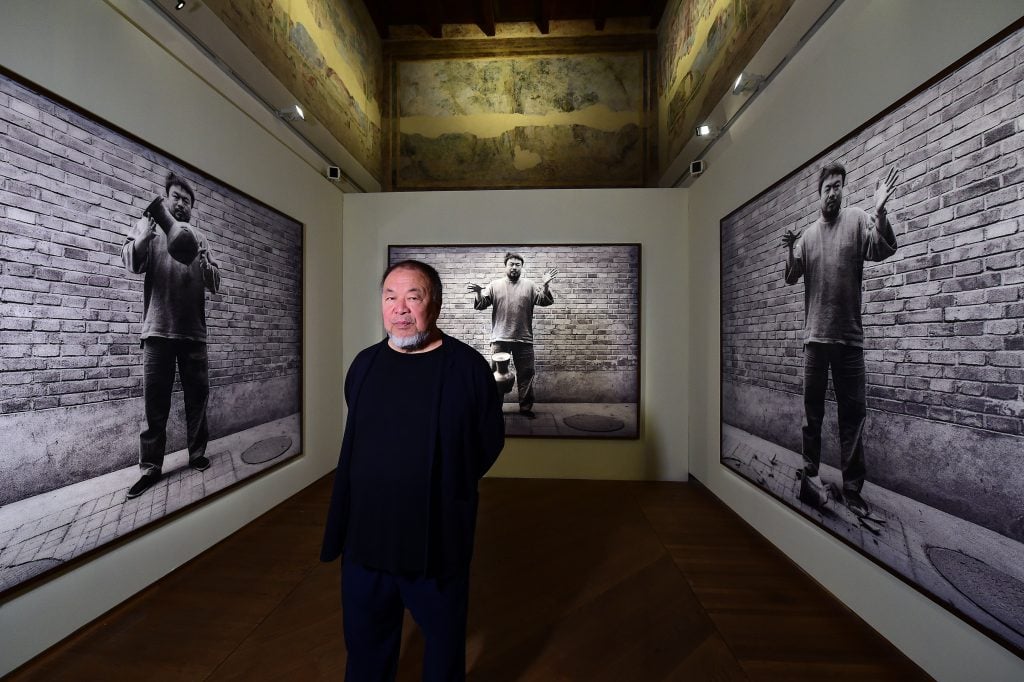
[(943, 316), (70, 190), (592, 326)]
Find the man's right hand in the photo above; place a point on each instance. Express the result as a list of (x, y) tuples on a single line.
[(475, 288), (790, 238)]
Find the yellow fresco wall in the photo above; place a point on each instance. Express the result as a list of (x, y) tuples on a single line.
[(702, 46), (327, 53), (572, 120)]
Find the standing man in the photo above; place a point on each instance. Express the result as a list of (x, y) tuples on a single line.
[(424, 425), (173, 332), (513, 299), (830, 256)]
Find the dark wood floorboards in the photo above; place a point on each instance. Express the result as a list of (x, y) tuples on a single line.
[(572, 580)]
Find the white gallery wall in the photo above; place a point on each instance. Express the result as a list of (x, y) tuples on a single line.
[(122, 62), (652, 217), (869, 54)]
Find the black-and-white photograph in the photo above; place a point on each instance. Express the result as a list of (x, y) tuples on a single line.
[(872, 339), (151, 334), (560, 325)]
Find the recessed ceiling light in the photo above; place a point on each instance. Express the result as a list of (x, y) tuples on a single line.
[(746, 82), (291, 113)]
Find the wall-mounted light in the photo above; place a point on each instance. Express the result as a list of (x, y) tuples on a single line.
[(292, 113), (746, 82), (180, 4), (705, 130)]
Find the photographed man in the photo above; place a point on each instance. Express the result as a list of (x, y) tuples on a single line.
[(830, 257), (513, 298), (173, 331), (424, 425)]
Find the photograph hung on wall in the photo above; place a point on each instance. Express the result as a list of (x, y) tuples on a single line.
[(873, 338), (150, 339), (560, 325)]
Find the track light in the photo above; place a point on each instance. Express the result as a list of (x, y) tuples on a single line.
[(180, 4), (292, 113), (705, 130), (746, 82)]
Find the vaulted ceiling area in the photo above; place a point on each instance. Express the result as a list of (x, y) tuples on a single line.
[(502, 94)]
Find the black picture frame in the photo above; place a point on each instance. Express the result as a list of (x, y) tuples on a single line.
[(73, 186), (942, 342)]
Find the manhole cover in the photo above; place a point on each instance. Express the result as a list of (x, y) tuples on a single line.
[(594, 422), (266, 450), (1000, 595)]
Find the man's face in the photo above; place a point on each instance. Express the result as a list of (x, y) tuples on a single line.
[(179, 203), (831, 196), (407, 307), (513, 268)]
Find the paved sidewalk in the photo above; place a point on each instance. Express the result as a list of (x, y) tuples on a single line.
[(982, 572), (550, 419), (47, 530)]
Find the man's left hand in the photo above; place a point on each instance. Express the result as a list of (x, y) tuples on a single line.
[(549, 275), (884, 189)]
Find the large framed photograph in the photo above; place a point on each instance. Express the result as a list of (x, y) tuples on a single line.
[(873, 339), (151, 335), (560, 324)]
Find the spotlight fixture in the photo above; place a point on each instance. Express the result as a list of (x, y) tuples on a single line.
[(746, 82), (705, 130), (292, 113), (180, 4)]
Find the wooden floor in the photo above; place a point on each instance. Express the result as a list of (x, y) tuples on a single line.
[(572, 580)]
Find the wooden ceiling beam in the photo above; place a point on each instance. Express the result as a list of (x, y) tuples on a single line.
[(485, 11), (432, 18), (542, 15), (600, 12), (655, 8), (379, 16)]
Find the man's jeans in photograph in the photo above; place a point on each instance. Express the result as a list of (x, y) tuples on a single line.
[(522, 361), (160, 357), (848, 383)]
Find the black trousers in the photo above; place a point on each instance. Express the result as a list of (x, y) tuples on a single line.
[(160, 359), (373, 603), (849, 383)]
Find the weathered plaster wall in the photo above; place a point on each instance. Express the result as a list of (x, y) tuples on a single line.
[(702, 46), (531, 121), (327, 53)]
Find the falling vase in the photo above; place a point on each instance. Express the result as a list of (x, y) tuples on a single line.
[(181, 242), (504, 377)]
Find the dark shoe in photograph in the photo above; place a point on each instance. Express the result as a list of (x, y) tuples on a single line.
[(812, 493), (856, 503), (528, 414), (142, 485), (200, 463)]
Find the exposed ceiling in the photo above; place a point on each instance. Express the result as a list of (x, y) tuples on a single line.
[(433, 15)]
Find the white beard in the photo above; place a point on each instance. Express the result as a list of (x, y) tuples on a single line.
[(414, 342)]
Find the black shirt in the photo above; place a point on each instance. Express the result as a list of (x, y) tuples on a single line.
[(391, 463)]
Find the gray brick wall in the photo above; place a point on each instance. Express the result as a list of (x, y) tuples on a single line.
[(70, 190), (943, 317), (594, 323)]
